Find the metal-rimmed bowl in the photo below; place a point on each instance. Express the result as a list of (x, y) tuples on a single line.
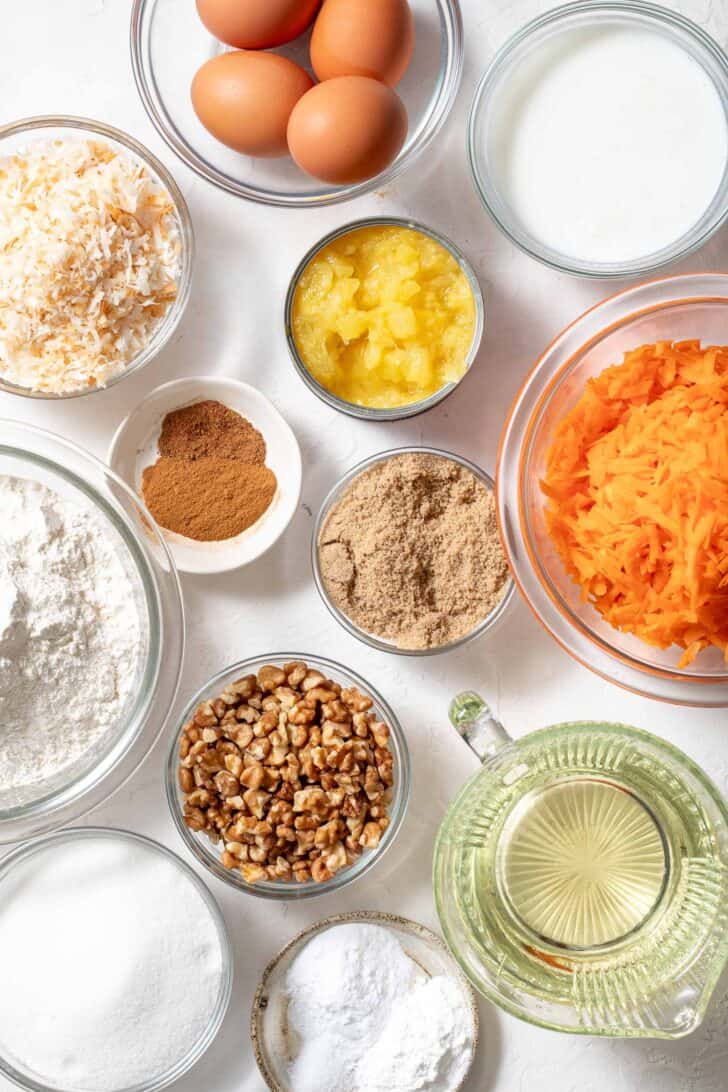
[(169, 43), (18, 135), (210, 855), (28, 810), (533, 40), (691, 306), (409, 409), (9, 864), (268, 1013), (371, 639)]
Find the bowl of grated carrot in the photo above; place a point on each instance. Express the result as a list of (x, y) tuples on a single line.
[(612, 489)]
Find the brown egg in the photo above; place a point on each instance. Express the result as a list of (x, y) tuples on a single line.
[(363, 38), (245, 100), (347, 129), (256, 24)]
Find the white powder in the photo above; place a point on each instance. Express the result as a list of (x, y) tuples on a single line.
[(70, 634), (111, 964), (365, 1018), (426, 1045)]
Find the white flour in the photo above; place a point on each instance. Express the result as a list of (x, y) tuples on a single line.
[(365, 1018), (70, 634)]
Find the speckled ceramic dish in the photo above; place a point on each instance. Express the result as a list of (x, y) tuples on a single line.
[(268, 1016)]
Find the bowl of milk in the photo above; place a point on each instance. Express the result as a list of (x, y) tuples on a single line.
[(598, 138)]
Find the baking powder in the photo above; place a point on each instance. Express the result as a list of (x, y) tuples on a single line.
[(70, 635), (364, 1017)]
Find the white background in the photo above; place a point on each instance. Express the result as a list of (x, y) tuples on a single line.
[(72, 56)]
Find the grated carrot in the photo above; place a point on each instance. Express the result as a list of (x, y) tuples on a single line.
[(637, 481)]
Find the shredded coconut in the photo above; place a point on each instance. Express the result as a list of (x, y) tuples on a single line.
[(70, 635), (89, 259), (363, 1017)]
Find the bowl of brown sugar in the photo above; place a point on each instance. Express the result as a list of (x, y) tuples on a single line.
[(217, 467), (407, 555)]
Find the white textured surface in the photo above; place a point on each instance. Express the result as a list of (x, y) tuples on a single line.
[(71, 55)]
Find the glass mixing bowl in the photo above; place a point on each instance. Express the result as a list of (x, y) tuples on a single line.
[(409, 409), (535, 39), (209, 854), (19, 134), (674, 308), (351, 627), (169, 43), (28, 810), (13, 864)]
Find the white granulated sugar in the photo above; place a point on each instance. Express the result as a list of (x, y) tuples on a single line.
[(70, 634), (364, 1017), (111, 965)]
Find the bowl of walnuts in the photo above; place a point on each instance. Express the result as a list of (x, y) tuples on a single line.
[(288, 776)]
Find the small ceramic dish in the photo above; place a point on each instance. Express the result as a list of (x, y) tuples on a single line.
[(210, 855), (268, 1020), (371, 639), (408, 409), (134, 447)]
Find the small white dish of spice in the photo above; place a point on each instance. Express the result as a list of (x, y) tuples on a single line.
[(217, 466), (366, 1002), (407, 554)]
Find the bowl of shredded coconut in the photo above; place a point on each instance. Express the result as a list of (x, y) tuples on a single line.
[(97, 249), (91, 632)]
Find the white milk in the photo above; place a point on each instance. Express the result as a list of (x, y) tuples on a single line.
[(607, 144)]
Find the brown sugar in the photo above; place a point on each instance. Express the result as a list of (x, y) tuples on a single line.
[(411, 551)]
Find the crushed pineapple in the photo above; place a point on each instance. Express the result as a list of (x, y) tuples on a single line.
[(384, 316)]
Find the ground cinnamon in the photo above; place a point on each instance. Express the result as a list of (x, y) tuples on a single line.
[(210, 482), (208, 499), (210, 429)]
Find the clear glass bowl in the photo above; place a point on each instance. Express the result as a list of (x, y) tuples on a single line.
[(411, 409), (533, 38), (169, 43), (209, 854), (369, 638), (62, 466), (19, 134), (675, 308), (20, 856)]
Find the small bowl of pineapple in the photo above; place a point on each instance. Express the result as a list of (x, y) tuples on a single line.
[(384, 317)]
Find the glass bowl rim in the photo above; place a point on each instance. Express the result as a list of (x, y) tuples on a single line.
[(34, 127), (354, 630), (446, 89), (409, 409), (120, 834), (549, 385), (291, 890), (690, 241), (53, 812)]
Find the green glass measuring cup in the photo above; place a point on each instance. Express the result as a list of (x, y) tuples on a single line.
[(581, 877)]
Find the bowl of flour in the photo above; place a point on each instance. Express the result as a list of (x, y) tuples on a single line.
[(364, 1002), (91, 632)]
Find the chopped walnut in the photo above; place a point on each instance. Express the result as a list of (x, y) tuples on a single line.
[(290, 773)]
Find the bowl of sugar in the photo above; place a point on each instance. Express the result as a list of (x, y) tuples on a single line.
[(598, 138)]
